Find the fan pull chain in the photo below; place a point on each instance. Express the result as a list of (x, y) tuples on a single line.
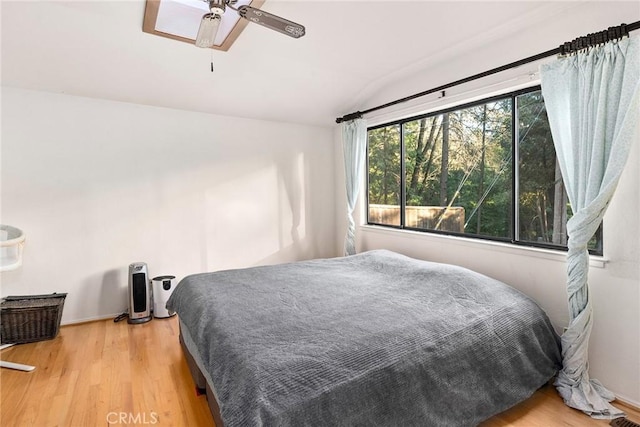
[(211, 60)]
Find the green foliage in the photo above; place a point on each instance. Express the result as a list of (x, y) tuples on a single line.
[(384, 165), (476, 160), (537, 170)]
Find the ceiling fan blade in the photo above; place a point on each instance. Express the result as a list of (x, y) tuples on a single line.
[(272, 21)]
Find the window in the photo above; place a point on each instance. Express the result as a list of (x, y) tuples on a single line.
[(454, 172)]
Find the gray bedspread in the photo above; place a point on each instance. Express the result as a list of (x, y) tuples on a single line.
[(374, 339)]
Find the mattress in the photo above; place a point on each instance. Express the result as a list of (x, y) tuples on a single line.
[(371, 339)]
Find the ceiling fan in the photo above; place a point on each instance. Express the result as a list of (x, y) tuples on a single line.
[(210, 22)]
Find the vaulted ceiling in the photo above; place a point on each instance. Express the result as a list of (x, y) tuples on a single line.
[(353, 56)]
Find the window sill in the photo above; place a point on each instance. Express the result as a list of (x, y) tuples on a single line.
[(529, 251)]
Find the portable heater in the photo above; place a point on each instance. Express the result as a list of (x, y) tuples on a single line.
[(139, 293)]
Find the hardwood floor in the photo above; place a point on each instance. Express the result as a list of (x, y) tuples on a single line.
[(105, 373), (91, 373)]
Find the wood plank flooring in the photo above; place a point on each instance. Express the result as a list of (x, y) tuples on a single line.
[(106, 373)]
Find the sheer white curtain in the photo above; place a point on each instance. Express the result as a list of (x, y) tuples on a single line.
[(354, 144), (593, 102)]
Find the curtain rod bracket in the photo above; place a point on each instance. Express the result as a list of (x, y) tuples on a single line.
[(352, 116)]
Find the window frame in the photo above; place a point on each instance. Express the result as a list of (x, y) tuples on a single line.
[(515, 188)]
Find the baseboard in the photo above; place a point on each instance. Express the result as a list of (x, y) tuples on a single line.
[(627, 402), (90, 319)]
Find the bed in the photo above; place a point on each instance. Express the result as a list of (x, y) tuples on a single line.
[(376, 338)]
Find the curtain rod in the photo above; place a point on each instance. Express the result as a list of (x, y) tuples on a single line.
[(580, 43)]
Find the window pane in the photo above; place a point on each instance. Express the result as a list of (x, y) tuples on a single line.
[(458, 171), (426, 200), (458, 168), (542, 199), (384, 175), (543, 203)]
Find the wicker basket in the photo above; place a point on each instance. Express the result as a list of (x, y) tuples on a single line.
[(30, 318)]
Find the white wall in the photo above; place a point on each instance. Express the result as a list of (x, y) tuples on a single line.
[(97, 185)]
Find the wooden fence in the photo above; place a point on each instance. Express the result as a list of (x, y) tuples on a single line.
[(427, 217)]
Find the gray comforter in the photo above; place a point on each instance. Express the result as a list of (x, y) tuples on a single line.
[(375, 339)]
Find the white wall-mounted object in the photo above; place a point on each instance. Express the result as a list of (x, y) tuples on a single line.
[(11, 245)]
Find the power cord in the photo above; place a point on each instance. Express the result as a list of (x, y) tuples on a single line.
[(121, 317)]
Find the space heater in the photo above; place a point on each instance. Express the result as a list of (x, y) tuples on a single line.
[(139, 293)]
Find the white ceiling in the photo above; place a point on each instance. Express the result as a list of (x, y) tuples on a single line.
[(353, 52)]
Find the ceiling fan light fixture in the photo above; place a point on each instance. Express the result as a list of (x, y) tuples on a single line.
[(218, 6), (208, 30), (218, 28)]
